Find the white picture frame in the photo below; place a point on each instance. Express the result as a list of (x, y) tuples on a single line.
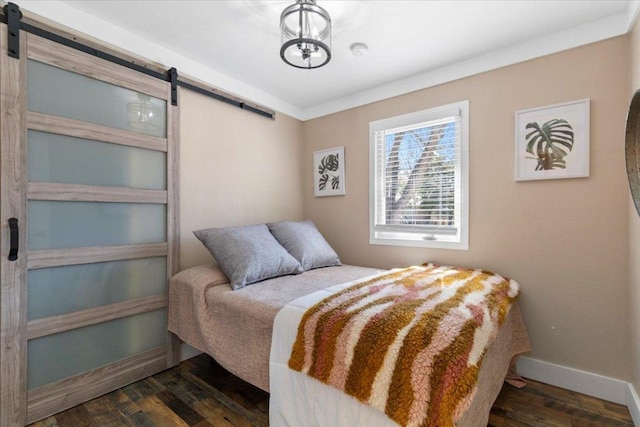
[(552, 142), (328, 172)]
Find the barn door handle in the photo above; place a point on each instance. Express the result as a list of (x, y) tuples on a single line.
[(13, 232)]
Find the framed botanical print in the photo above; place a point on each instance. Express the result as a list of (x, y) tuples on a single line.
[(552, 142), (328, 172)]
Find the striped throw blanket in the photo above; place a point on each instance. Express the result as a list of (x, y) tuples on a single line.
[(409, 342)]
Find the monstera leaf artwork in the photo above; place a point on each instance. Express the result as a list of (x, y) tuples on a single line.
[(329, 172), (550, 143)]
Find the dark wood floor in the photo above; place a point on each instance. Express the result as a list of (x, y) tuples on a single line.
[(199, 394)]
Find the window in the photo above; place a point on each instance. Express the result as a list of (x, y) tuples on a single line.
[(419, 178)]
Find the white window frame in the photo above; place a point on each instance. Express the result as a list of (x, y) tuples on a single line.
[(401, 235)]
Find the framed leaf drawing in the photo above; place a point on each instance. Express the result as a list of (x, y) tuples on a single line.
[(328, 172), (553, 142)]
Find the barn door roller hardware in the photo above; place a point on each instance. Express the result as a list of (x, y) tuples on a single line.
[(173, 79), (13, 15)]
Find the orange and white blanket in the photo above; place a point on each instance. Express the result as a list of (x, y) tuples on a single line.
[(409, 342)]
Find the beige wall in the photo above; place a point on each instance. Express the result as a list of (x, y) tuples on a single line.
[(237, 168), (634, 295), (634, 232), (565, 241)]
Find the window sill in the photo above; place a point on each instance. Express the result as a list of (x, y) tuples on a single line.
[(440, 242)]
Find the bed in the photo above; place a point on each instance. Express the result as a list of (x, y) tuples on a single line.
[(236, 329)]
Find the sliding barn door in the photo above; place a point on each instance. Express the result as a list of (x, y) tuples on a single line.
[(89, 227)]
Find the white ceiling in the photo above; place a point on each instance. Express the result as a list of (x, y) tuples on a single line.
[(412, 44)]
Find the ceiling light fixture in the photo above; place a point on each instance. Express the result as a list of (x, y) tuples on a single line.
[(306, 35)]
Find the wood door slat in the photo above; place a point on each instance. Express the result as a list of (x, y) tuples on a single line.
[(87, 255), (58, 55), (93, 193), (66, 393), (79, 129), (55, 324)]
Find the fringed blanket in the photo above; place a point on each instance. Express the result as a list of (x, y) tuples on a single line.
[(408, 343)]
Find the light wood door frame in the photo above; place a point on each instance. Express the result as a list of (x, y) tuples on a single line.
[(17, 405)]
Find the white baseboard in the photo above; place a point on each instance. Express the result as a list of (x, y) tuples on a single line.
[(595, 385), (634, 405)]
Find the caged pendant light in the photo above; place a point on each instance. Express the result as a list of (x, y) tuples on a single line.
[(306, 35)]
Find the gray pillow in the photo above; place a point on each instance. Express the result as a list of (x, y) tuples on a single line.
[(248, 254), (306, 244)]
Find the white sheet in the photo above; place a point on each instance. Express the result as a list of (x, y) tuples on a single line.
[(297, 400)]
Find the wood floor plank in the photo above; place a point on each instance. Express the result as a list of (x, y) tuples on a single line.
[(508, 422), (180, 408), (580, 401), (495, 420), (221, 416), (78, 416), (531, 409), (585, 419), (104, 413), (241, 392), (613, 409), (200, 400), (154, 383), (159, 414), (121, 402), (256, 418), (139, 390), (199, 393), (179, 386), (47, 422), (140, 419)]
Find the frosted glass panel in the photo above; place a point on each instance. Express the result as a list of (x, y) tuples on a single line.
[(58, 356), (58, 158), (51, 90), (54, 225), (61, 290)]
